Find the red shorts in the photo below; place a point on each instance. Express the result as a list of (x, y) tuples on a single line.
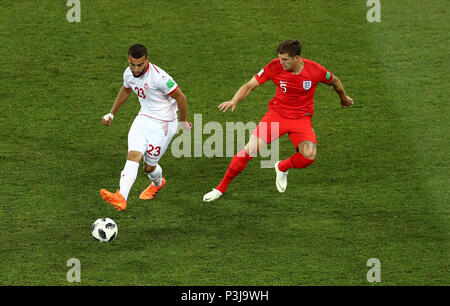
[(272, 126)]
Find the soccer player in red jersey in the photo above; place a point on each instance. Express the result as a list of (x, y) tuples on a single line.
[(290, 112)]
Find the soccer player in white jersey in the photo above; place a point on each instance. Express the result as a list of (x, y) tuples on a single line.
[(154, 126)]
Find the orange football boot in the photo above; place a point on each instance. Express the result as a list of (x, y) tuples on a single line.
[(116, 199), (151, 191)]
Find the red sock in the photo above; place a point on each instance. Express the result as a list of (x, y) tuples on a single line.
[(295, 161), (236, 166)]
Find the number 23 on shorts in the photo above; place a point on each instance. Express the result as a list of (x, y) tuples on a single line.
[(154, 151)]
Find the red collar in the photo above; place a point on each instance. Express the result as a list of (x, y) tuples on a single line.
[(146, 69)]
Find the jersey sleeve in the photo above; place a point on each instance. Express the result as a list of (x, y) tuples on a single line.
[(321, 74), (166, 83), (265, 74), (125, 81)]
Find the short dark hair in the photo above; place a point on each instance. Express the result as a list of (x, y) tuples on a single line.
[(290, 46), (137, 51)]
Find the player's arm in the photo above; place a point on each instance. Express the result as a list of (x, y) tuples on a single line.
[(182, 107), (241, 94), (339, 89), (121, 98)]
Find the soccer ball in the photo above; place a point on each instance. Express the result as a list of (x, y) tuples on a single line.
[(104, 229)]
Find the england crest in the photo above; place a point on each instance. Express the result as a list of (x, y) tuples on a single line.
[(306, 85)]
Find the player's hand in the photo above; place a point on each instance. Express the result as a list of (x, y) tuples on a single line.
[(347, 101), (226, 105), (186, 125), (107, 119)]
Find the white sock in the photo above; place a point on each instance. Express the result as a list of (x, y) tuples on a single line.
[(156, 176), (127, 177)]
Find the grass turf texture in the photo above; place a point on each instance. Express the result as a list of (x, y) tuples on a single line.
[(378, 189)]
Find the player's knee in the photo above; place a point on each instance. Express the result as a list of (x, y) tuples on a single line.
[(134, 156), (308, 149), (251, 150), (254, 146), (148, 168), (310, 154)]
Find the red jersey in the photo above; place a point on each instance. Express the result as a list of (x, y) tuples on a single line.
[(295, 92)]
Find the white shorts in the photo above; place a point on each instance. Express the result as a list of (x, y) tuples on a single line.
[(151, 137)]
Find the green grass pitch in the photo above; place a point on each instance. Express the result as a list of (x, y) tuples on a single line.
[(378, 189)]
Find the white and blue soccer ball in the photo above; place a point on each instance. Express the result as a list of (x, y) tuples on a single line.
[(104, 229)]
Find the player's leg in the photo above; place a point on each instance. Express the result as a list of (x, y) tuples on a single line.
[(267, 131), (127, 178), (240, 161), (309, 150), (154, 173), (237, 165), (305, 142), (136, 147), (129, 172), (305, 156), (159, 141)]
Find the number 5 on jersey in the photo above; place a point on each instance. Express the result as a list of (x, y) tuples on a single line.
[(283, 86)]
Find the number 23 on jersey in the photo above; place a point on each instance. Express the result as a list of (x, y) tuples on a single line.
[(140, 92)]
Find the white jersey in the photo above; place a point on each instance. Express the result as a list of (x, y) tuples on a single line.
[(153, 88)]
